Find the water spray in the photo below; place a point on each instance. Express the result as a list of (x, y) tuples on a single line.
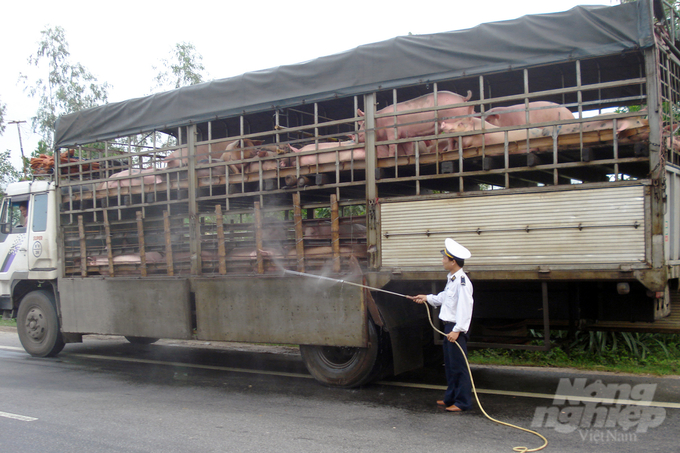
[(429, 318)]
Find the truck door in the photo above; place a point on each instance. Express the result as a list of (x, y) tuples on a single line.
[(13, 242), (41, 239)]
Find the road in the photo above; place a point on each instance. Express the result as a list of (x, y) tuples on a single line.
[(106, 395)]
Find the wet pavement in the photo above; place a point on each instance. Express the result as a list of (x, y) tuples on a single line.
[(110, 396)]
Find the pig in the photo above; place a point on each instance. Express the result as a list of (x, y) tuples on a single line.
[(326, 152), (487, 139), (179, 157), (235, 152), (118, 180), (415, 124), (515, 115), (328, 155)]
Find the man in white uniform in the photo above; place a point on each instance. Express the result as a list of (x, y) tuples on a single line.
[(456, 313)]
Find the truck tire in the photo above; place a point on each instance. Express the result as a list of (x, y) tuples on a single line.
[(38, 324), (141, 340), (344, 367)]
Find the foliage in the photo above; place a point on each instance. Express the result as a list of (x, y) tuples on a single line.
[(67, 88), (3, 109), (8, 173), (631, 352), (8, 322), (184, 67)]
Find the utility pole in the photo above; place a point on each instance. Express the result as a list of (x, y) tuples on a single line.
[(21, 145)]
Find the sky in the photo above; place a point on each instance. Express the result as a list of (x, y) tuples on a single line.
[(121, 42)]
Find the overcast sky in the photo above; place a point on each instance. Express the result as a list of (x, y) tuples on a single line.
[(120, 42)]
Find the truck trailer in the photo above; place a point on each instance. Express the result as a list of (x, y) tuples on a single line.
[(546, 145)]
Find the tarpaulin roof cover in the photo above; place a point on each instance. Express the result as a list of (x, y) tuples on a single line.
[(582, 32)]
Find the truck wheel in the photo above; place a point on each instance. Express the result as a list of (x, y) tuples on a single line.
[(141, 340), (38, 324), (344, 367)]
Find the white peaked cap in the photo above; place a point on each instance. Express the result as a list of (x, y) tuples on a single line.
[(455, 250)]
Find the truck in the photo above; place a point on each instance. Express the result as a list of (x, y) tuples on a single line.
[(546, 145)]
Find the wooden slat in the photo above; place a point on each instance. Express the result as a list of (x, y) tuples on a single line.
[(299, 239), (335, 233), (109, 249), (83, 247), (258, 238), (221, 253), (168, 244), (140, 238)]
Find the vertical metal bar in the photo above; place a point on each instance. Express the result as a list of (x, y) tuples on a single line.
[(299, 243), (140, 239), (241, 132), (258, 238), (546, 316), (657, 160), (417, 154), (372, 230), (616, 150), (170, 264), (335, 234), (460, 165), (109, 249), (83, 247), (579, 100), (481, 95), (194, 221), (221, 252), (395, 131), (556, 176), (506, 155)]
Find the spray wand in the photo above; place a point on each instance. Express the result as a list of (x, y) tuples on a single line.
[(429, 318)]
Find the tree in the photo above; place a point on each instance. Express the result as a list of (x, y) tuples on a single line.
[(67, 88), (184, 67), (8, 173)]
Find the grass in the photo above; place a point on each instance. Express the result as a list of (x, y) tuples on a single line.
[(8, 322), (637, 353)]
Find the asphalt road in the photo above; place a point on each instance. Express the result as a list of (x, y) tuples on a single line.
[(106, 395)]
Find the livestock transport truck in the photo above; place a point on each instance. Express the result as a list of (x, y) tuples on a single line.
[(177, 215)]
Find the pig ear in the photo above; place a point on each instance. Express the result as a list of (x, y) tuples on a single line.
[(360, 112)]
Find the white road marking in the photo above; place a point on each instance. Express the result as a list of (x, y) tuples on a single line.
[(23, 418), (669, 405)]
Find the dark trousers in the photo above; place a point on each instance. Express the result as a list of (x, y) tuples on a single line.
[(459, 390)]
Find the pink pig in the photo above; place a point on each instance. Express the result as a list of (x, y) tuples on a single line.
[(415, 124), (539, 112), (487, 139)]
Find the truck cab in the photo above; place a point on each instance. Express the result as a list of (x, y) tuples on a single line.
[(28, 258)]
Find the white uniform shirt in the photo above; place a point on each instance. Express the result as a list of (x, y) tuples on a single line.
[(456, 301)]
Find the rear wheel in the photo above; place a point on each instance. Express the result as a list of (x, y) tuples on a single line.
[(345, 367), (38, 324)]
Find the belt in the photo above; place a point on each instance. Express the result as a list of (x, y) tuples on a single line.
[(448, 322)]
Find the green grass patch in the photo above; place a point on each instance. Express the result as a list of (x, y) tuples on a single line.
[(8, 322), (638, 353)]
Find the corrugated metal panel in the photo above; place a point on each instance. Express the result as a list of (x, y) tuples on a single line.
[(594, 226), (672, 218)]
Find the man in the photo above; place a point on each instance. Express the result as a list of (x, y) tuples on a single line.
[(23, 211), (456, 313)]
